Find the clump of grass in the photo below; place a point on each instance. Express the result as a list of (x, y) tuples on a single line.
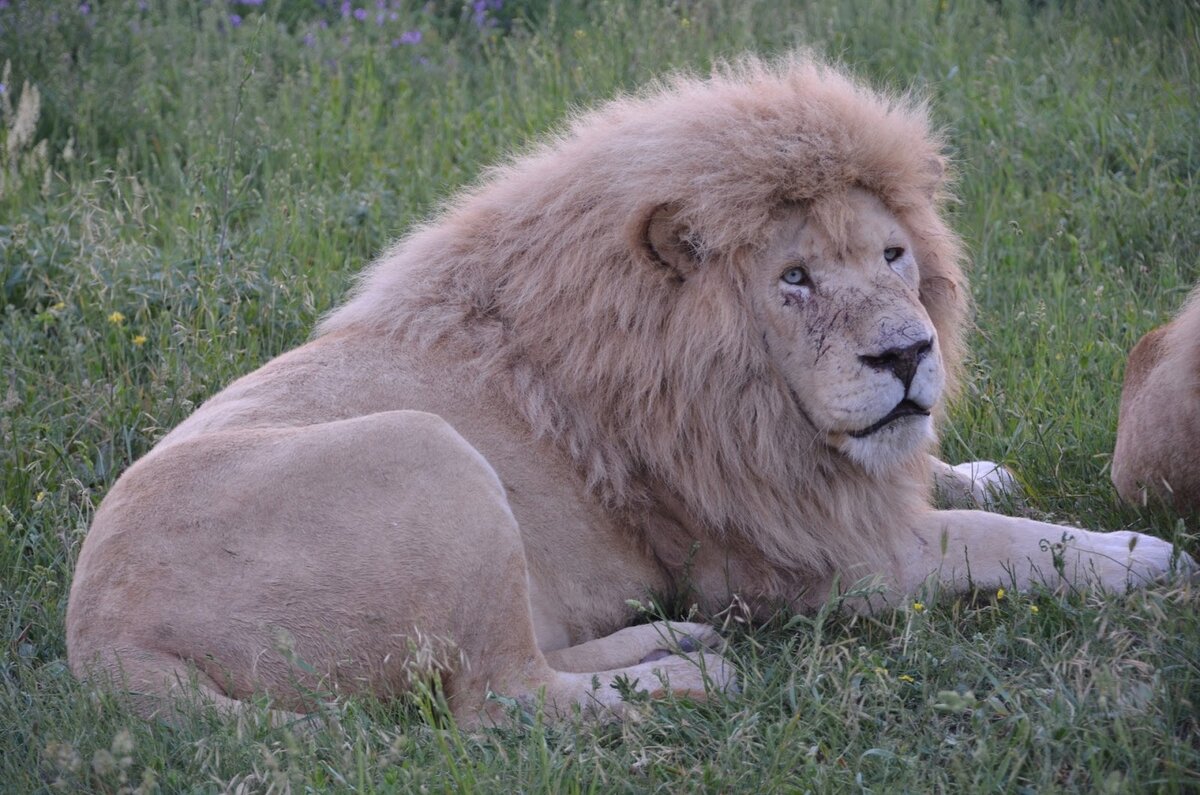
[(186, 196)]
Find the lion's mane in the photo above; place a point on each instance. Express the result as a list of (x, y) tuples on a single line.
[(539, 276)]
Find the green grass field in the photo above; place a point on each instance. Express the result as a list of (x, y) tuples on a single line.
[(190, 191)]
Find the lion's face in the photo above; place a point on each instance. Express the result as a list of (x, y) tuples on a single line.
[(846, 328)]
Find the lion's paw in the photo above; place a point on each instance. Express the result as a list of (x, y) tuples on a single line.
[(981, 484), (990, 482), (1126, 559), (685, 637), (693, 676)]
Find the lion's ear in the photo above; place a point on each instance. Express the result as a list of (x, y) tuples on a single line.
[(668, 242), (935, 169)]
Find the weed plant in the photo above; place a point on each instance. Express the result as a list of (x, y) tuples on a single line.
[(186, 186)]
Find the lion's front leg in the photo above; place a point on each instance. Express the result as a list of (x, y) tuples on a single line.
[(967, 549)]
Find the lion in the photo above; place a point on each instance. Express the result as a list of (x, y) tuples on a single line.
[(1158, 428), (693, 346)]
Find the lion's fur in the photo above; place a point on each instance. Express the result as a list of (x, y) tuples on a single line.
[(1158, 430), (600, 351)]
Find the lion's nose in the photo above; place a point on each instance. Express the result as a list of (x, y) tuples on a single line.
[(902, 362)]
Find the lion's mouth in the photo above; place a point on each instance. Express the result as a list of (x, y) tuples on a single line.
[(905, 408)]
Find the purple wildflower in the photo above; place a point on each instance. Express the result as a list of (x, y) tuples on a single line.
[(235, 20), (480, 9), (250, 2), (380, 18), (310, 40), (409, 37), (360, 14), (345, 8), (143, 5), (85, 9), (1, 84), (4, 4)]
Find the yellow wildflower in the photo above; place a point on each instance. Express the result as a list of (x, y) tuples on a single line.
[(919, 607), (116, 318), (41, 496), (881, 671), (139, 340), (1033, 609), (685, 22), (906, 678), (60, 306), (1000, 594)]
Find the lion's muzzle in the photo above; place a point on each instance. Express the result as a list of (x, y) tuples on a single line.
[(905, 408)]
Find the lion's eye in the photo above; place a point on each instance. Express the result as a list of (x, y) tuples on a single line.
[(893, 253), (795, 276)]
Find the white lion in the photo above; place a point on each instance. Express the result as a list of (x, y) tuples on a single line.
[(694, 346)]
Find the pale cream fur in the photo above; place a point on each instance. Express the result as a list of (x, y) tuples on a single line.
[(689, 347), (1158, 432)]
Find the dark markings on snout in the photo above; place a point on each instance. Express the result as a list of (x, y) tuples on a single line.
[(901, 362)]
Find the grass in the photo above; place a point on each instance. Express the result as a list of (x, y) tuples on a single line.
[(190, 196)]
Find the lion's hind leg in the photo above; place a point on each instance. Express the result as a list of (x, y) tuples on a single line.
[(656, 660), (160, 686), (347, 557), (607, 693), (637, 644)]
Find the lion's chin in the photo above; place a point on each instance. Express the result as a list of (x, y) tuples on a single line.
[(889, 446)]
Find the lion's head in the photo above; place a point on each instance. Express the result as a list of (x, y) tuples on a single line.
[(834, 291), (738, 291)]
